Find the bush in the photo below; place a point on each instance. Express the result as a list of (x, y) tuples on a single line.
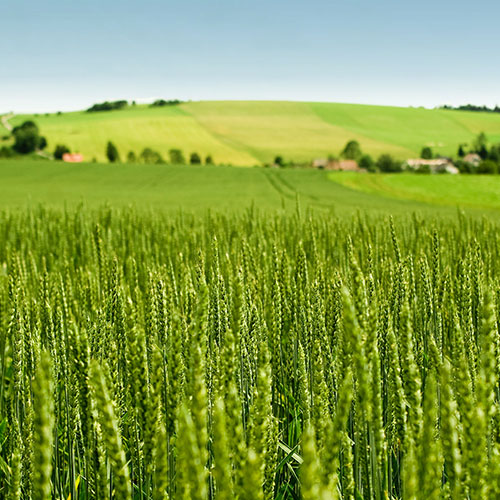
[(386, 163), (278, 160), (366, 162), (162, 102), (27, 138), (112, 153), (195, 159), (352, 151), (6, 152), (176, 157), (131, 157), (487, 167), (107, 106), (209, 160), (150, 156), (423, 169), (426, 153), (60, 150)]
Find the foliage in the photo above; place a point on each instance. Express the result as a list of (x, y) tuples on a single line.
[(27, 138), (352, 151), (108, 106), (426, 153), (195, 159), (278, 160), (487, 167), (209, 160), (176, 157), (112, 153), (366, 162), (162, 102), (60, 151), (386, 163), (131, 157), (149, 156)]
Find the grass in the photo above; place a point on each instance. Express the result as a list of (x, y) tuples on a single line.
[(478, 192), (197, 188), (250, 132)]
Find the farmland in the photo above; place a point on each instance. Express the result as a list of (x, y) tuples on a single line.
[(215, 333), (195, 189), (247, 133), (252, 354)]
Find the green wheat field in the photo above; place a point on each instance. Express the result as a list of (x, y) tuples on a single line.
[(218, 333)]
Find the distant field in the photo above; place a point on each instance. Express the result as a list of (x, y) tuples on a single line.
[(248, 133), (473, 191), (190, 188)]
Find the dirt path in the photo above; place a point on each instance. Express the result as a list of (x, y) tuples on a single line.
[(5, 121)]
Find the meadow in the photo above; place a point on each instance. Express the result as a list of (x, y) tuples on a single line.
[(247, 133), (217, 333)]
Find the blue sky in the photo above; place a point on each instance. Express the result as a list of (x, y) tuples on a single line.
[(67, 55)]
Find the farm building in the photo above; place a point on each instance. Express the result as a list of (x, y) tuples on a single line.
[(72, 157), (436, 166), (472, 159), (343, 165)]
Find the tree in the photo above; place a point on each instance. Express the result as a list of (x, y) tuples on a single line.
[(386, 163), (487, 167), (480, 142), (195, 159), (60, 150), (366, 162), (426, 153), (112, 153), (209, 160), (42, 143), (279, 161), (461, 151), (176, 157), (131, 157), (148, 155), (27, 138), (352, 151)]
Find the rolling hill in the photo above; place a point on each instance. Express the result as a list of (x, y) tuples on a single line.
[(252, 132)]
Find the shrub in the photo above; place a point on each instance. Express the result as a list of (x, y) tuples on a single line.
[(386, 163), (278, 160), (6, 152), (487, 167), (107, 106), (366, 162), (27, 138), (112, 153), (209, 160), (176, 157), (195, 159), (352, 151), (131, 157), (426, 153), (60, 150), (148, 155)]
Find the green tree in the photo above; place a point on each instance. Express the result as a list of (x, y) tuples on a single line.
[(426, 153), (386, 163), (112, 153), (176, 157), (480, 144), (209, 160), (27, 138), (60, 150), (131, 157), (487, 167), (195, 159), (461, 151), (278, 160), (366, 162), (352, 151)]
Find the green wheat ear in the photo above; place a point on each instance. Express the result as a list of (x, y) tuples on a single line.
[(43, 428), (111, 435)]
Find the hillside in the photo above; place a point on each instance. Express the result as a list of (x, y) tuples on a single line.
[(248, 133)]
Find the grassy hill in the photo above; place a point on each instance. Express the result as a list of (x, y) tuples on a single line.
[(197, 188), (248, 133)]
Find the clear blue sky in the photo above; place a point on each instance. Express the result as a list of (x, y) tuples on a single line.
[(65, 54)]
